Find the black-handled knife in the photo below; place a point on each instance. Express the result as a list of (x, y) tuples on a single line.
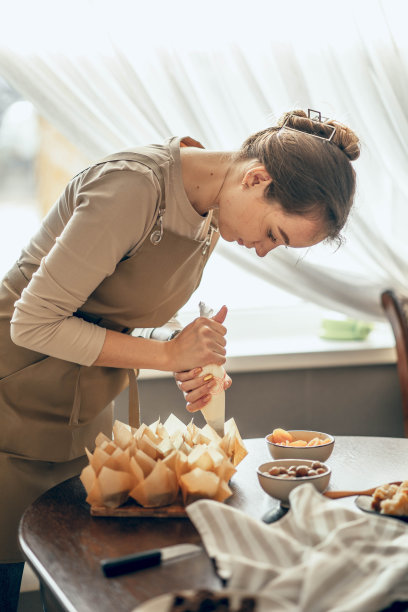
[(148, 558)]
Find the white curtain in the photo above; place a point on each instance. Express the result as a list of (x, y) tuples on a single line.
[(116, 74)]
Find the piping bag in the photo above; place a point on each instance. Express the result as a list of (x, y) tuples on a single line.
[(214, 411)]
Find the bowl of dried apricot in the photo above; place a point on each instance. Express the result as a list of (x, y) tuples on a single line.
[(299, 444), (278, 478)]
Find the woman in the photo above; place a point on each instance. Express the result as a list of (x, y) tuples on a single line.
[(124, 247)]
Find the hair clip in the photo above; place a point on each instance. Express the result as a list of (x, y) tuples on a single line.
[(317, 116), (313, 115)]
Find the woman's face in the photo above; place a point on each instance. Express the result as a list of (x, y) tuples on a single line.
[(247, 218)]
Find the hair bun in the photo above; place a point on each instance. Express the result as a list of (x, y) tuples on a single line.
[(344, 137)]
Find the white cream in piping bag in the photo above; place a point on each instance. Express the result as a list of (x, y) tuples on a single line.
[(214, 411)]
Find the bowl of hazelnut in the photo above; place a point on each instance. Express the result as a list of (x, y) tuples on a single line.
[(278, 478), (299, 444)]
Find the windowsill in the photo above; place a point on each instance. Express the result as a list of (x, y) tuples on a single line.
[(289, 340)]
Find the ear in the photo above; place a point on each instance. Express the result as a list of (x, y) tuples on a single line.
[(258, 175)]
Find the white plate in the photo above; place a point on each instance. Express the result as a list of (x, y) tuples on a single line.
[(163, 603)]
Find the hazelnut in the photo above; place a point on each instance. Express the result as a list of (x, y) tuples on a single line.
[(302, 470)]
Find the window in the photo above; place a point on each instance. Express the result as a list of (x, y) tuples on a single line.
[(19, 142), (37, 162), (226, 283), (31, 178)]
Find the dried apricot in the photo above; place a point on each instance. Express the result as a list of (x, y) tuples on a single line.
[(280, 436), (285, 438)]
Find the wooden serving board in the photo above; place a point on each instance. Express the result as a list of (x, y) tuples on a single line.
[(131, 509)]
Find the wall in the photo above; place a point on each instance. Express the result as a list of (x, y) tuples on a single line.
[(358, 400)]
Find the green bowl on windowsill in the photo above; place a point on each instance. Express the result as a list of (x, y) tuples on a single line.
[(347, 329)]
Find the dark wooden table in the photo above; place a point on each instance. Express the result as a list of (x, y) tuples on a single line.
[(64, 544)]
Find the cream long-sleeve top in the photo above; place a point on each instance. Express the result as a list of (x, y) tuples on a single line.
[(101, 217)]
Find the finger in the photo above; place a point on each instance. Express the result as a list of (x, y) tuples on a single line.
[(199, 404), (194, 383), (221, 314), (227, 382), (187, 374), (213, 337), (207, 328), (196, 394), (218, 349), (218, 341), (216, 357)]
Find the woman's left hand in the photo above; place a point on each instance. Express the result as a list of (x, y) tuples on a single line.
[(196, 388)]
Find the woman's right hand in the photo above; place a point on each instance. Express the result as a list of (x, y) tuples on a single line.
[(200, 343)]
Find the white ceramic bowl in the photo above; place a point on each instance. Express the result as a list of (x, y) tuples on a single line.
[(278, 487), (316, 453)]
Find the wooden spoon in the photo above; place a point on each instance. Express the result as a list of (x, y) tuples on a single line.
[(338, 494)]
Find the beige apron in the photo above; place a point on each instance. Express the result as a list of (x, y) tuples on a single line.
[(51, 409)]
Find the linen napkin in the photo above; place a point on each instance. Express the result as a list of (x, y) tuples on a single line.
[(319, 557)]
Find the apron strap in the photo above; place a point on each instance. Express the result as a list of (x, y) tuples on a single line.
[(141, 158), (76, 406), (134, 408)]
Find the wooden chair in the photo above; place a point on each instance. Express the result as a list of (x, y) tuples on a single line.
[(396, 309)]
